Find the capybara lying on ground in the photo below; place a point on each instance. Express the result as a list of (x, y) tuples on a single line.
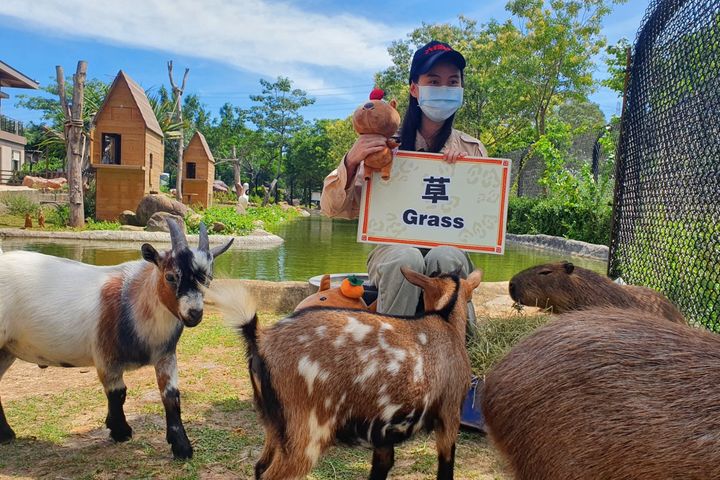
[(608, 394), (564, 287)]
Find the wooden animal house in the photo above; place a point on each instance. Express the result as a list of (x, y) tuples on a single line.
[(199, 172), (127, 149)]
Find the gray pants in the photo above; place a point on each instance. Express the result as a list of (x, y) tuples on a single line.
[(397, 296)]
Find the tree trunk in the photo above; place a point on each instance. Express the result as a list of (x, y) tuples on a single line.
[(74, 140), (177, 93)]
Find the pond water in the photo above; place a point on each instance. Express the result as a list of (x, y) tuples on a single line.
[(313, 246)]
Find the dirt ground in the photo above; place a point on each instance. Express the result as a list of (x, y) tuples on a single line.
[(58, 415)]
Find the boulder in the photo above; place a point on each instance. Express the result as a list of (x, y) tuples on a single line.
[(157, 222), (218, 227), (220, 186), (128, 217), (54, 184), (152, 204), (34, 182)]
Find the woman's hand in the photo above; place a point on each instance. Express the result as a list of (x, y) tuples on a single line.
[(366, 144), (452, 156)]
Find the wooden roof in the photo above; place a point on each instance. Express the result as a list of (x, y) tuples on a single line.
[(204, 144), (141, 100), (9, 77)]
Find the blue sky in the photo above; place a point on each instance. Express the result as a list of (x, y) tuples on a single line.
[(331, 49)]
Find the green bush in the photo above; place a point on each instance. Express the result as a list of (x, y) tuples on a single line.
[(271, 216), (224, 197), (60, 216), (20, 205), (91, 224), (589, 222)]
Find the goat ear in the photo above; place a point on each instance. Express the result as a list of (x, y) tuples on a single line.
[(569, 267), (472, 281), (150, 254), (217, 251), (415, 278)]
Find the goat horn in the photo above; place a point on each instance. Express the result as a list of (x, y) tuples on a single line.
[(204, 241), (221, 249), (177, 237)]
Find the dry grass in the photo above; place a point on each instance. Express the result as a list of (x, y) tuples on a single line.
[(495, 336), (58, 415)]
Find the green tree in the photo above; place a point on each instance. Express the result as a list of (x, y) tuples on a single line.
[(276, 115), (308, 160), (341, 136), (616, 62)]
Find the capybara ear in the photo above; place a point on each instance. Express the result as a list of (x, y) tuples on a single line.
[(569, 267), (324, 283)]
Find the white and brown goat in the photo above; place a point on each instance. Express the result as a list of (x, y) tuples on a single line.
[(324, 375), (58, 312)]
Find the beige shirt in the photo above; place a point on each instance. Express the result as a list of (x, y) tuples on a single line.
[(337, 201)]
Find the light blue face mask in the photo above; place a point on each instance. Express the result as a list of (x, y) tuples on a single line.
[(439, 103)]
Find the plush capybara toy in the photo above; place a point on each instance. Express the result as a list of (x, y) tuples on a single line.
[(382, 118), (348, 295), (563, 287)]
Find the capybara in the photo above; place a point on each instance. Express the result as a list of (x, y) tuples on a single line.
[(563, 287), (608, 394)]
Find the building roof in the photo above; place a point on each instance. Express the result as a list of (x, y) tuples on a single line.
[(141, 100), (9, 77), (204, 144)]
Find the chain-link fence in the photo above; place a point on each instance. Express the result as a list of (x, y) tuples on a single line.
[(666, 225)]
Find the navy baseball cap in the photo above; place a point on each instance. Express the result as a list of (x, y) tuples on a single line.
[(429, 54)]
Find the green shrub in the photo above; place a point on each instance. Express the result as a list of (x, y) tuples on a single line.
[(91, 224), (271, 216), (20, 204), (224, 197), (60, 215)]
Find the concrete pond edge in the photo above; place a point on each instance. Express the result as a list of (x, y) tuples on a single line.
[(563, 245), (257, 239)]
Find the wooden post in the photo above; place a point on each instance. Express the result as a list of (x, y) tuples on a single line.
[(177, 93), (74, 140)]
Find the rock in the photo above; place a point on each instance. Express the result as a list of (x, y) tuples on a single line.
[(296, 202), (240, 209), (54, 184), (152, 204), (258, 224), (34, 182), (157, 222), (128, 217), (218, 227), (303, 213), (220, 186)]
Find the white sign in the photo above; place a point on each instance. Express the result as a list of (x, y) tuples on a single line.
[(428, 202)]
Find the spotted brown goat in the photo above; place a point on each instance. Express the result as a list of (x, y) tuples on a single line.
[(324, 375), (563, 287), (608, 394), (58, 312)]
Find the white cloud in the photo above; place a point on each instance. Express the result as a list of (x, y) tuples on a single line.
[(265, 38)]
